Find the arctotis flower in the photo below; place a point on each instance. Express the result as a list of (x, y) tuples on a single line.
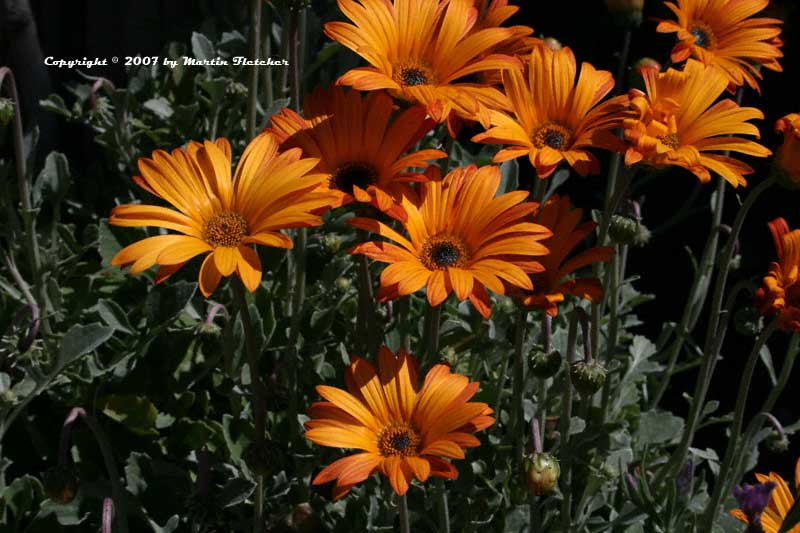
[(551, 286), (724, 33), (217, 214), (419, 49), (405, 432), (780, 294), (676, 124), (555, 118), (781, 500), (787, 158), (360, 148), (461, 238)]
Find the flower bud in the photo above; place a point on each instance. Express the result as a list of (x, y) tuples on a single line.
[(777, 442), (343, 284), (588, 378), (541, 472), (6, 111), (623, 230), (642, 236), (544, 365), (787, 158), (626, 12), (60, 484), (552, 43), (332, 242), (208, 331)]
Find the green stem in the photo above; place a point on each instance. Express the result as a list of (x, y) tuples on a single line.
[(432, 350), (712, 343), (564, 456), (366, 327), (403, 309), (517, 411), (697, 294), (255, 52), (269, 90), (402, 512), (117, 493), (258, 399), (738, 418), (31, 241)]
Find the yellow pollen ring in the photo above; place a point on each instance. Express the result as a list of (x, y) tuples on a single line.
[(399, 439), (552, 134), (442, 251), (670, 140), (225, 230)]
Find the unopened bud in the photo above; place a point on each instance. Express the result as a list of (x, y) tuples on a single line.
[(6, 111), (552, 43), (642, 236), (449, 355), (332, 242), (588, 378), (208, 330), (60, 484), (623, 230), (544, 365), (626, 12), (236, 89), (541, 473), (777, 442), (343, 283)]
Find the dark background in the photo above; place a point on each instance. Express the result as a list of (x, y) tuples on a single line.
[(77, 28)]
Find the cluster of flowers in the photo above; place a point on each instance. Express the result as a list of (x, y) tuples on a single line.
[(460, 237)]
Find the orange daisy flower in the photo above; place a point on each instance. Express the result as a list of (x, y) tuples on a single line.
[(405, 431), (550, 287), (724, 34), (359, 150), (780, 502), (217, 214), (676, 124), (780, 294), (787, 158), (555, 118), (418, 49), (462, 238)]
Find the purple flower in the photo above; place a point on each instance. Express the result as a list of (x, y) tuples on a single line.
[(752, 501)]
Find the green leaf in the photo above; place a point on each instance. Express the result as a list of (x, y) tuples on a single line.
[(114, 316), (766, 358), (165, 302), (136, 413), (82, 339), (22, 495), (238, 436), (792, 518), (160, 107), (53, 180), (658, 427), (202, 48), (234, 492)]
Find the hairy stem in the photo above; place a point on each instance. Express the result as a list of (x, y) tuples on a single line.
[(255, 52)]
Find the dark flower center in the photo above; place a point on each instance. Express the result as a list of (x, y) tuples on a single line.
[(443, 251), (413, 76), (398, 439), (225, 229), (703, 36), (552, 134), (348, 175)]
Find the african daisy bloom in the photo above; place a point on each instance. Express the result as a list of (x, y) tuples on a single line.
[(418, 49), (723, 33), (676, 124), (554, 117), (405, 431), (218, 214), (780, 294), (781, 500), (360, 151), (550, 286), (461, 239), (787, 158)]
